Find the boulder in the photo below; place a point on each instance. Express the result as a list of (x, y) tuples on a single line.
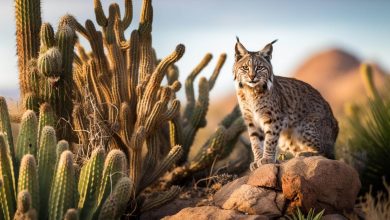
[(212, 213), (304, 182)]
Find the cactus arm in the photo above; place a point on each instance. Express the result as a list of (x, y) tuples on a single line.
[(128, 17), (189, 86), (160, 199), (25, 210), (217, 70)]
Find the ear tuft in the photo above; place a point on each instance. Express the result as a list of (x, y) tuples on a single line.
[(267, 50), (240, 50)]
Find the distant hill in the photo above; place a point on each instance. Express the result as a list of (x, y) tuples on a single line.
[(335, 73)]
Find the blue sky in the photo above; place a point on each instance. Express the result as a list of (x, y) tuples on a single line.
[(302, 27)]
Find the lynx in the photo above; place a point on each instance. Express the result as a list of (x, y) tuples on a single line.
[(283, 115)]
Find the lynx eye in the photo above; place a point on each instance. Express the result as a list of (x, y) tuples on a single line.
[(245, 68), (261, 69)]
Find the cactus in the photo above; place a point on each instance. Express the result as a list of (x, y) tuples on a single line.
[(27, 138), (5, 125), (7, 177), (114, 169), (46, 165), (46, 118), (114, 206), (89, 183), (63, 187), (25, 210), (28, 24), (120, 103), (28, 179), (71, 214)]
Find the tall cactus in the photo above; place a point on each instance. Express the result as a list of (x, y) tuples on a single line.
[(7, 178), (63, 188), (89, 183), (5, 125), (28, 24), (46, 166)]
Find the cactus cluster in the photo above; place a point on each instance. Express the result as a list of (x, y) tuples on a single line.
[(45, 62), (49, 186), (114, 99)]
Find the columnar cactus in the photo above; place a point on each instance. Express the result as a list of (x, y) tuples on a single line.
[(7, 178), (28, 179), (27, 138)]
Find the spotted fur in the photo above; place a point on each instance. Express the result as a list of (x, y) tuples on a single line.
[(281, 113)]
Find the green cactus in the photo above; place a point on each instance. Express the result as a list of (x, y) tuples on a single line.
[(25, 210), (5, 125), (114, 206), (46, 166), (7, 177), (46, 118), (114, 169), (88, 187), (27, 138), (28, 179), (63, 187)]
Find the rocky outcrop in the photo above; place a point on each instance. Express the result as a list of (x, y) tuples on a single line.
[(277, 189)]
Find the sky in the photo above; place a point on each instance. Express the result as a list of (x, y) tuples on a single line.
[(302, 27)]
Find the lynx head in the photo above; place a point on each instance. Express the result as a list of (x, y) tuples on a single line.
[(253, 69)]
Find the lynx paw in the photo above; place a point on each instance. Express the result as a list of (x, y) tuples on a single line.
[(256, 164)]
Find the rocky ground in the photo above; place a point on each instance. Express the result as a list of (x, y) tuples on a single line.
[(273, 191)]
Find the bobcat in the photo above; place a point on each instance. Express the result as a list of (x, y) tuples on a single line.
[(279, 111)]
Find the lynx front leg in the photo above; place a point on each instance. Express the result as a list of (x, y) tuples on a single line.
[(270, 144), (256, 137)]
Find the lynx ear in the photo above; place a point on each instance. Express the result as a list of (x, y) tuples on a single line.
[(240, 50), (267, 51)]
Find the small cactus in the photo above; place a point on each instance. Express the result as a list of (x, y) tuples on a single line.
[(27, 138), (25, 210)]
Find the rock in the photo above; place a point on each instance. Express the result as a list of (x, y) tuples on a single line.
[(320, 183), (305, 182), (251, 199), (212, 213)]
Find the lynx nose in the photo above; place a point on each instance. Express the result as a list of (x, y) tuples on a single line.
[(252, 76)]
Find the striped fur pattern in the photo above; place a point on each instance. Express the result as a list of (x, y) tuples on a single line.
[(283, 115)]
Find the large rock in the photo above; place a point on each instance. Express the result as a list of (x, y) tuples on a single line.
[(212, 213), (277, 189)]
